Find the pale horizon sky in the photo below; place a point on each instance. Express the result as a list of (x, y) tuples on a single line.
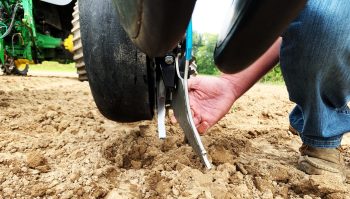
[(209, 15)]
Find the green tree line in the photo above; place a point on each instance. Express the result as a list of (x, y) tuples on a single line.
[(203, 48)]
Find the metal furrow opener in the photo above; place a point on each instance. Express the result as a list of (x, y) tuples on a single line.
[(179, 98)]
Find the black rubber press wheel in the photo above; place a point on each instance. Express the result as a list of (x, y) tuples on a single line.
[(119, 75)]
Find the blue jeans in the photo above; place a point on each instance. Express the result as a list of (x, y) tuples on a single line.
[(315, 61)]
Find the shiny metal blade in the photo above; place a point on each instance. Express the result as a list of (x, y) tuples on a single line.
[(182, 111), (161, 97)]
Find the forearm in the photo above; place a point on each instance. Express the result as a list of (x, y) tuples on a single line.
[(241, 82)]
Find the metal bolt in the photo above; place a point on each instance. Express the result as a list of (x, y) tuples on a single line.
[(169, 59)]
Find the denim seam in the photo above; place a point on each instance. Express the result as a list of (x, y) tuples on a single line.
[(345, 110), (321, 143)]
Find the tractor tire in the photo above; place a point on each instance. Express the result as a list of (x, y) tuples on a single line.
[(120, 76), (78, 48)]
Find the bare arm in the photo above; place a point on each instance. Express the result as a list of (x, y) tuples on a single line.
[(212, 97), (244, 80)]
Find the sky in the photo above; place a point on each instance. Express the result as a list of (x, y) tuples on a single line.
[(209, 15)]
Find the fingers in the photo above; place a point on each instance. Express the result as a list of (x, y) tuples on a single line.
[(203, 127), (173, 120), (196, 121), (195, 117)]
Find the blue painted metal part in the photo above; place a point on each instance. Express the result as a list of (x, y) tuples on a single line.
[(189, 41)]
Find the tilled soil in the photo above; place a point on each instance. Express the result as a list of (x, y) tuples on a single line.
[(55, 144)]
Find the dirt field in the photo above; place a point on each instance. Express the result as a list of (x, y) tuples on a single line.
[(55, 144)]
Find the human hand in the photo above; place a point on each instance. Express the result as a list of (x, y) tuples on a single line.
[(210, 99)]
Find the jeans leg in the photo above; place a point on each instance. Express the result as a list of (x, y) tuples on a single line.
[(315, 61)]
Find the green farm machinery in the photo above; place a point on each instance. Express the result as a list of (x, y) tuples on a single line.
[(32, 31)]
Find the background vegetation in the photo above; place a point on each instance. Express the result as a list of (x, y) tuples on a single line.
[(52, 66), (275, 75), (203, 48)]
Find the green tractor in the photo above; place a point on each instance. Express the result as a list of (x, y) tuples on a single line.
[(32, 31)]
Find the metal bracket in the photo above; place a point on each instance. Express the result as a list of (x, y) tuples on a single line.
[(166, 74)]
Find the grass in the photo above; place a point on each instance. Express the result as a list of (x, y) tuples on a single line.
[(53, 67), (274, 76)]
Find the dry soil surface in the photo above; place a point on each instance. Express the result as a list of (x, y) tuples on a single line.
[(55, 144)]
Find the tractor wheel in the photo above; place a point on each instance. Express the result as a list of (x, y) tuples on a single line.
[(78, 48), (120, 76)]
